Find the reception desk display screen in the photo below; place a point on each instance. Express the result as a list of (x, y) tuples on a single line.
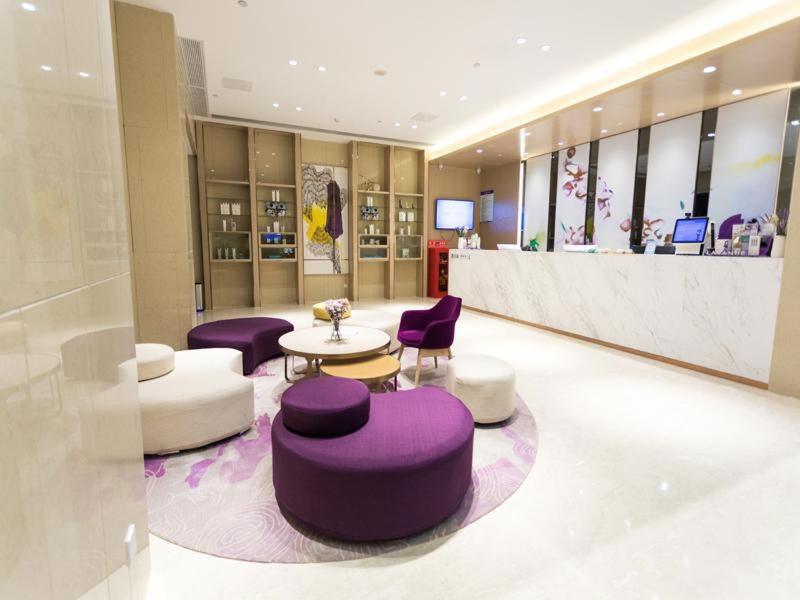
[(690, 231)]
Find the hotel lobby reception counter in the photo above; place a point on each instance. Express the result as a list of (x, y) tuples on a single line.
[(715, 313)]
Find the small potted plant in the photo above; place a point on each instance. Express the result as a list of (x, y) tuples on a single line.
[(533, 245)]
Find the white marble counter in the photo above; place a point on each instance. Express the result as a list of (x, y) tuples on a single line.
[(713, 312)]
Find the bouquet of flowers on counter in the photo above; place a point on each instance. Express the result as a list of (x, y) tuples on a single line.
[(336, 310)]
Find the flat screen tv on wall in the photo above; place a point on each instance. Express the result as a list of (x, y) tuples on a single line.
[(452, 214)]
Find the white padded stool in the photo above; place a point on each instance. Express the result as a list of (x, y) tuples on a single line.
[(388, 322), (205, 398), (154, 360), (485, 384)]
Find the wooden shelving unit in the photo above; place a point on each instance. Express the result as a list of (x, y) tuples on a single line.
[(251, 217)]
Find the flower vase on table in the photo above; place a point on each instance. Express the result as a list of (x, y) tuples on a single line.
[(336, 310)]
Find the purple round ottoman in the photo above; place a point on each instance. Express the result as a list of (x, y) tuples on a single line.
[(405, 470), (325, 406), (255, 337)]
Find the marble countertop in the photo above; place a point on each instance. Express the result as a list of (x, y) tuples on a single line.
[(716, 312)]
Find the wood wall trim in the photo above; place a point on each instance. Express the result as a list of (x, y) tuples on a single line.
[(201, 183), (255, 242), (670, 361), (298, 199)]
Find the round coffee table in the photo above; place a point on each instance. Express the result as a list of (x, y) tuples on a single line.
[(315, 344), (371, 370)]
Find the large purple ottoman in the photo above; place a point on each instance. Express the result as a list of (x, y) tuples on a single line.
[(255, 337), (404, 470)]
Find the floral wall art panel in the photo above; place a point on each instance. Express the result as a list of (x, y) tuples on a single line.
[(671, 174), (747, 157), (573, 173), (616, 175), (325, 220), (537, 199)]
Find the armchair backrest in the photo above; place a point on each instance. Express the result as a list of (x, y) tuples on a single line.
[(447, 309)]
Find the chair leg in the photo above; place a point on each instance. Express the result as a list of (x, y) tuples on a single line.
[(419, 368), (449, 353), (435, 362), (400, 352)]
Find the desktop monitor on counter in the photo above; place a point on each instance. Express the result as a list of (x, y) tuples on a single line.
[(690, 234), (455, 214)]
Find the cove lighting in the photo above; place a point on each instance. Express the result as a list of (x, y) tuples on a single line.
[(736, 92), (28, 6), (597, 109), (522, 40), (709, 69)]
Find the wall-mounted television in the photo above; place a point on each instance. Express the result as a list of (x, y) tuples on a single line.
[(452, 214)]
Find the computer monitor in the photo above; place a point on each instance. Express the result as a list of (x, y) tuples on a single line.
[(690, 234)]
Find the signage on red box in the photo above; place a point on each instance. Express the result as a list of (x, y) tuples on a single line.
[(437, 244)]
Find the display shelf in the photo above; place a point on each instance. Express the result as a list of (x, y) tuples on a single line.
[(228, 181), (408, 221), (378, 192), (410, 194), (288, 186), (230, 260)]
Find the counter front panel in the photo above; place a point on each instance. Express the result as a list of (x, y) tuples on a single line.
[(717, 313)]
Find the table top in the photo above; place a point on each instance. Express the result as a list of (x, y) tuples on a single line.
[(316, 342), (378, 367)]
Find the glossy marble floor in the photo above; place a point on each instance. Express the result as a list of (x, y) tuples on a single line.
[(651, 482)]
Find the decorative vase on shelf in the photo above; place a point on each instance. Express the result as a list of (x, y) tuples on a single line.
[(778, 246)]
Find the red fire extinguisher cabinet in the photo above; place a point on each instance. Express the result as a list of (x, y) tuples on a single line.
[(437, 272)]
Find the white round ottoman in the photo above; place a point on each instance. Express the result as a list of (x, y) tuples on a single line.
[(485, 384), (205, 398), (388, 322), (154, 360)]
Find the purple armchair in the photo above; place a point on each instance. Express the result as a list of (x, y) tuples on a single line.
[(431, 331)]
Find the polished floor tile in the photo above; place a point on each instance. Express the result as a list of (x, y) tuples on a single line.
[(651, 482)]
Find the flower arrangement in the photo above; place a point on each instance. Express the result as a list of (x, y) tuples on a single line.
[(778, 220), (336, 309), (462, 231)]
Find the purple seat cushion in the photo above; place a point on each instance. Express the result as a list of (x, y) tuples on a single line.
[(255, 337), (325, 406), (410, 337), (407, 469)]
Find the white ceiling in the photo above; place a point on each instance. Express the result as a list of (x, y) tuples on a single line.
[(426, 47)]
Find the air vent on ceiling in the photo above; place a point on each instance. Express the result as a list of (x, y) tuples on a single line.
[(424, 117), (193, 66), (237, 84)]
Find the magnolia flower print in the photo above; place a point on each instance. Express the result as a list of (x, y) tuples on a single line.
[(574, 235), (603, 198), (575, 184)]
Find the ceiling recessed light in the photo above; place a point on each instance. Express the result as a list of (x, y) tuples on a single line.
[(46, 68), (83, 74), (28, 6), (661, 114), (293, 62), (479, 151), (796, 122), (597, 109), (242, 3), (527, 134), (379, 72), (443, 93), (275, 105), (522, 40), (499, 155), (709, 69), (546, 48), (298, 108), (560, 143), (462, 97), (322, 68), (712, 134), (414, 126), (604, 131), (737, 92), (396, 124)]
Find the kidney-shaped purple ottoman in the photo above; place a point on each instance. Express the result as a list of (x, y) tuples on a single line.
[(255, 337), (406, 469)]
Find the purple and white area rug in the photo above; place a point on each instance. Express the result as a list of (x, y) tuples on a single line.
[(219, 499)]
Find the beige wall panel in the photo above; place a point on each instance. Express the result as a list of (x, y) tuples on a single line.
[(502, 229), (405, 278), (317, 152), (226, 153), (325, 287), (233, 284), (785, 373), (372, 164), (372, 280), (407, 176), (450, 182), (278, 283)]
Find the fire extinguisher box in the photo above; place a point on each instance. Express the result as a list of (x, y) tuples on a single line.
[(437, 268)]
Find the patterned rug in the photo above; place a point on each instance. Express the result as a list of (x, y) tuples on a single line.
[(219, 499)]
